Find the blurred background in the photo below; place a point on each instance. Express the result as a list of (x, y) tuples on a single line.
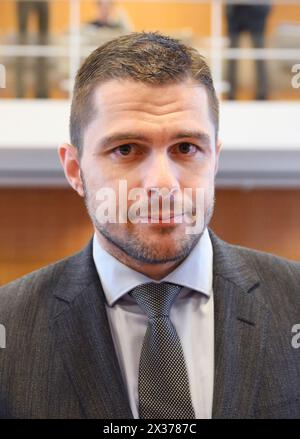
[(253, 48)]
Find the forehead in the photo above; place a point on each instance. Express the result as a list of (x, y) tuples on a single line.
[(129, 105), (120, 96)]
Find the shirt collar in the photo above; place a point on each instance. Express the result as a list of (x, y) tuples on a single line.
[(195, 272)]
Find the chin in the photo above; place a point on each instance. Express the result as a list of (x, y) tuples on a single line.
[(166, 250), (157, 246)]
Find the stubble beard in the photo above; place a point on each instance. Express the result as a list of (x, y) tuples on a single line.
[(134, 240)]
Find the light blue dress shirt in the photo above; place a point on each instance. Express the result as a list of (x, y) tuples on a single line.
[(192, 315)]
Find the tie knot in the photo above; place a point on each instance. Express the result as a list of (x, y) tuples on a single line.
[(155, 299)]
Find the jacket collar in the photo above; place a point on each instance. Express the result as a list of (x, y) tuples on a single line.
[(83, 336), (241, 329)]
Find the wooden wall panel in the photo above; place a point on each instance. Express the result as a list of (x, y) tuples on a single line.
[(40, 226), (268, 220)]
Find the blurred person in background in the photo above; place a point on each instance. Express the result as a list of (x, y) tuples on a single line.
[(251, 19), (109, 20), (24, 9), (109, 16)]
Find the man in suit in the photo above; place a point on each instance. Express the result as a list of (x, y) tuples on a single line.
[(149, 321)]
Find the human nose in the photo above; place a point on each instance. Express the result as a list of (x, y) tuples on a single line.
[(160, 174)]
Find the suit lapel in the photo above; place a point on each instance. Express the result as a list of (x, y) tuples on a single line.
[(85, 342), (241, 322)]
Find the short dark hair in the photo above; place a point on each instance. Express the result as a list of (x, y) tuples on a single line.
[(147, 57)]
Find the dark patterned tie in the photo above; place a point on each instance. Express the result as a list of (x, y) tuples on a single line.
[(164, 391)]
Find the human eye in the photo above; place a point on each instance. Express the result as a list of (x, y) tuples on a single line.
[(127, 152), (123, 150), (187, 148)]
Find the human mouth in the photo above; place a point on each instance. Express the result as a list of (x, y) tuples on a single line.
[(162, 219)]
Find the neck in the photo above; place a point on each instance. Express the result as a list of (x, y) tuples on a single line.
[(154, 271)]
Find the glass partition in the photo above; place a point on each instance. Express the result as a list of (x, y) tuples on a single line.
[(253, 47)]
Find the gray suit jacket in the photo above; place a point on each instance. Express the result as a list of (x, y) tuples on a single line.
[(60, 362)]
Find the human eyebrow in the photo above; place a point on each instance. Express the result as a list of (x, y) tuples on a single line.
[(201, 136), (119, 137)]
